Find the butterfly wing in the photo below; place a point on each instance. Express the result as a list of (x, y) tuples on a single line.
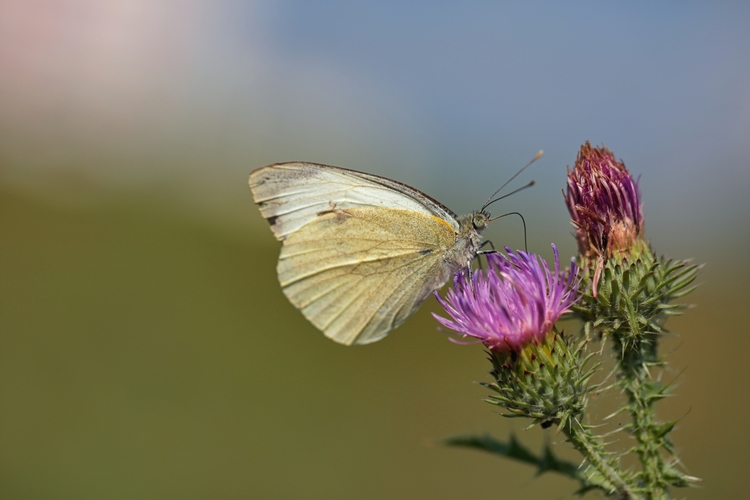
[(360, 253), (291, 195)]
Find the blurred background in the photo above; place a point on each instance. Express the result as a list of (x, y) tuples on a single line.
[(146, 350)]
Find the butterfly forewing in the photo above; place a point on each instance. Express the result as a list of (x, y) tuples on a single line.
[(292, 194)]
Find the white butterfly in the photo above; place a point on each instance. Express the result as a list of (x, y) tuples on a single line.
[(360, 252)]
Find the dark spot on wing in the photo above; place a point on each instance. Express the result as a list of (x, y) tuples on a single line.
[(329, 211), (426, 251), (341, 215), (272, 220)]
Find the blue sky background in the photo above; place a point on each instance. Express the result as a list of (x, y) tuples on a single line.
[(450, 98)]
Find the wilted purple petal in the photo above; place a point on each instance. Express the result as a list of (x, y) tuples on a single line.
[(604, 202)]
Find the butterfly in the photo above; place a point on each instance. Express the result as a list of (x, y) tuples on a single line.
[(360, 252)]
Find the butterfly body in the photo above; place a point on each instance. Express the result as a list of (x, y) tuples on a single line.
[(360, 252)]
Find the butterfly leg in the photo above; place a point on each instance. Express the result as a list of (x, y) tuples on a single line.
[(470, 276), (485, 252), (479, 253), (485, 243)]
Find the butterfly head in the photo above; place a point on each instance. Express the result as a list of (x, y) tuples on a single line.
[(480, 219)]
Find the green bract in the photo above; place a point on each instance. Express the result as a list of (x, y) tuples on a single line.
[(545, 381), (633, 297)]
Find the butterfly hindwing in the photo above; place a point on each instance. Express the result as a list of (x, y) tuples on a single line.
[(358, 273)]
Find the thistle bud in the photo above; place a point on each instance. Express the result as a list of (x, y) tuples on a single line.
[(627, 287), (604, 204)]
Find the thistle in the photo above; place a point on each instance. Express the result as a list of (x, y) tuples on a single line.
[(622, 292), (628, 296), (512, 308)]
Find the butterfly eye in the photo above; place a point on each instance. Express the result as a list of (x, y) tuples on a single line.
[(479, 221)]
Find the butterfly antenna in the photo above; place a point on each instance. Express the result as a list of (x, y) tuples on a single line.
[(531, 183), (525, 242), (490, 200)]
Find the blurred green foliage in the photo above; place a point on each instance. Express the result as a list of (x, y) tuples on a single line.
[(146, 354)]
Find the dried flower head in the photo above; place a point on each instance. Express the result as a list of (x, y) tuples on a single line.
[(604, 203), (517, 300)]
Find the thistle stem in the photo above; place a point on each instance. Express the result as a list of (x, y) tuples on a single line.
[(591, 448), (642, 393)]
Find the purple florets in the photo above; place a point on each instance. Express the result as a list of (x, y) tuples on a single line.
[(604, 203), (514, 302)]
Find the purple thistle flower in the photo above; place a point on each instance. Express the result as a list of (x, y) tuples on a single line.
[(604, 203), (514, 302)]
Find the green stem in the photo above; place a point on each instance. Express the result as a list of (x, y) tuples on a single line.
[(609, 478), (642, 393)]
